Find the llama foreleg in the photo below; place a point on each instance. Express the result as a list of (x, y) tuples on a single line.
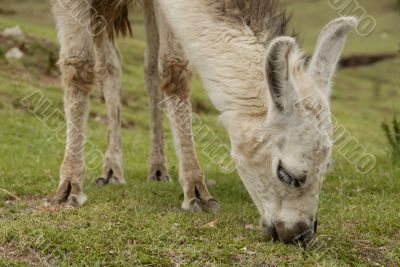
[(175, 83), (77, 69)]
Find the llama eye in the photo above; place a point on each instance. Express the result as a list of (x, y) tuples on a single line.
[(285, 177)]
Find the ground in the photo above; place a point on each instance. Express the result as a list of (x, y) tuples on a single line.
[(141, 223)]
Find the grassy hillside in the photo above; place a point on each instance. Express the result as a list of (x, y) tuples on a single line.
[(141, 224)]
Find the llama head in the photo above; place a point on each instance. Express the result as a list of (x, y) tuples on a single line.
[(283, 166)]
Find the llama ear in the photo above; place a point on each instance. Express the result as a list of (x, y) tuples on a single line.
[(278, 74), (329, 48)]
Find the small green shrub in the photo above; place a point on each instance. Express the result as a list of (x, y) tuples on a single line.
[(2, 52), (392, 133)]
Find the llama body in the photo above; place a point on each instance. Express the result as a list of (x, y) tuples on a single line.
[(271, 102)]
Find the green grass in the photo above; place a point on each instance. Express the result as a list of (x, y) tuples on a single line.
[(392, 132), (141, 223)]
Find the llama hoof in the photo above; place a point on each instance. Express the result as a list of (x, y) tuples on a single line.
[(202, 201), (117, 180), (63, 192), (153, 178), (66, 197), (75, 201), (111, 179), (100, 182), (159, 176), (194, 206), (211, 206), (198, 205), (56, 201)]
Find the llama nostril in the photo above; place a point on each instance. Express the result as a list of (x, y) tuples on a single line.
[(274, 234), (299, 239), (270, 231)]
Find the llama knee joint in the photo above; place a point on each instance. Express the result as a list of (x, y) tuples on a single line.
[(77, 73), (176, 76)]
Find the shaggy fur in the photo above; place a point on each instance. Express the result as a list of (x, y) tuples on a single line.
[(261, 16), (116, 15), (255, 76)]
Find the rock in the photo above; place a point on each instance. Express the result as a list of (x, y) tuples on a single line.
[(15, 33), (7, 11), (211, 183), (14, 53), (11, 202)]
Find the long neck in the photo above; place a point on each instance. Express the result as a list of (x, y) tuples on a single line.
[(229, 59)]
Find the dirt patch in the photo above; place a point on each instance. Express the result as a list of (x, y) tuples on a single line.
[(40, 55), (360, 60), (244, 257), (373, 255), (8, 12), (11, 251), (26, 203), (395, 240), (177, 259)]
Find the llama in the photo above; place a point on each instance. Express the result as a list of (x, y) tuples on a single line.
[(273, 103)]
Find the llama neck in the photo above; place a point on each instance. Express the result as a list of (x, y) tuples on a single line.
[(230, 60), (233, 77)]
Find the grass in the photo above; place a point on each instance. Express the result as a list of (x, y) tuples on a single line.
[(141, 223), (392, 132)]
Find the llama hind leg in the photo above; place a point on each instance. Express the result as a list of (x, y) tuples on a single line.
[(175, 83), (109, 76), (77, 68), (157, 163)]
